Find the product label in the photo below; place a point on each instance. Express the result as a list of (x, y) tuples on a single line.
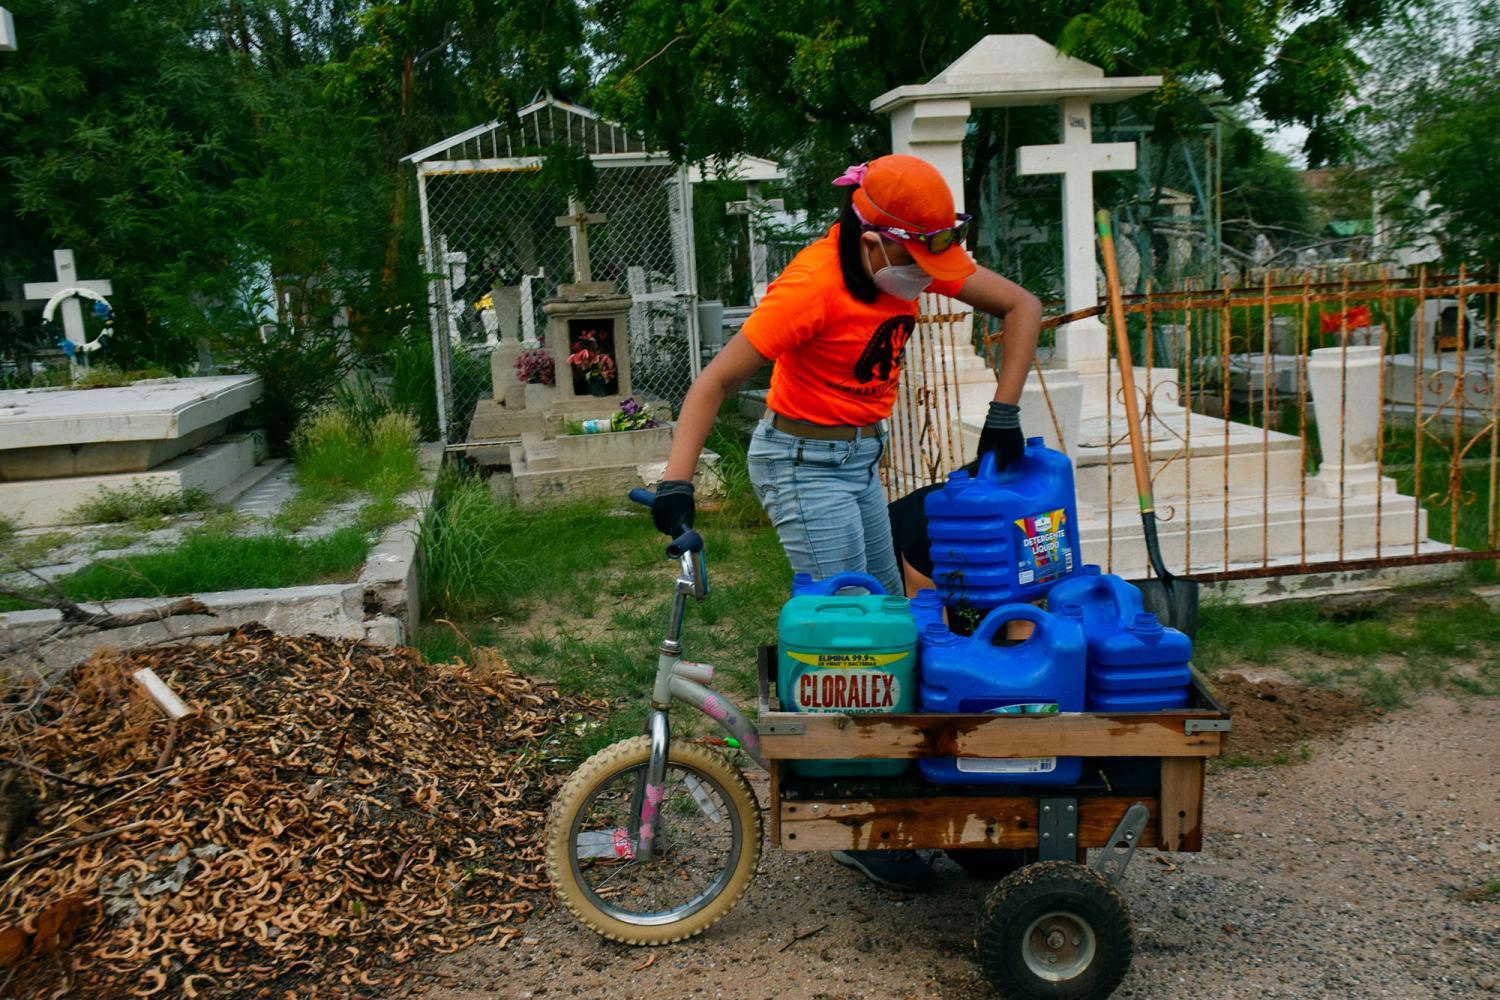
[(1044, 551), (1020, 765), (1017, 765), (847, 661), (847, 691)]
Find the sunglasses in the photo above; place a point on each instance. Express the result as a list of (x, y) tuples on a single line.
[(937, 241)]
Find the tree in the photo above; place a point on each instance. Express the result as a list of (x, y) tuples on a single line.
[(1432, 130), (713, 78)]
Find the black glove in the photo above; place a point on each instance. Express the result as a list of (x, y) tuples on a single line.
[(1002, 435), (672, 513)]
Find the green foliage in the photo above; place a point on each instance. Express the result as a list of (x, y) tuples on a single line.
[(342, 449), (710, 81), (211, 562), (1262, 192), (473, 548), (140, 503), (413, 384)]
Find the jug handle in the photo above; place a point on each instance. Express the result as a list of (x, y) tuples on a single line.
[(853, 579), (987, 463), (1007, 613)]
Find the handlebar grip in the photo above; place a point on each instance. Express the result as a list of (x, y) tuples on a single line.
[(688, 541), (644, 497)]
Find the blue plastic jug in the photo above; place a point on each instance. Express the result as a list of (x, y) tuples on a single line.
[(1042, 674), (1104, 599), (1142, 667), (1134, 664), (803, 583), (850, 653), (1004, 536), (927, 608)]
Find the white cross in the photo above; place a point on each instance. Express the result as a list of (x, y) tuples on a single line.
[(67, 277), (1078, 158), (577, 219), (751, 207)]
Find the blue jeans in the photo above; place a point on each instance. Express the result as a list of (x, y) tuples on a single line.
[(826, 502)]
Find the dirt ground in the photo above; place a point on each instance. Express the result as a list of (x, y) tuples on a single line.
[(1340, 874)]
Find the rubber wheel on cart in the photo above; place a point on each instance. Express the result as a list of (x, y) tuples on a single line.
[(991, 862), (1055, 930), (709, 847)]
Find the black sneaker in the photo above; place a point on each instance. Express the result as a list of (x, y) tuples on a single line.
[(904, 871)]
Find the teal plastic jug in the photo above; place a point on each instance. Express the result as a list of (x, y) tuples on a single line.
[(1004, 536), (1040, 675), (851, 653)]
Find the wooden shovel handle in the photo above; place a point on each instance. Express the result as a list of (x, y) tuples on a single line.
[(1127, 366)]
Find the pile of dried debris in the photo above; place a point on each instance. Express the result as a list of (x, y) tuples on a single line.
[(330, 812)]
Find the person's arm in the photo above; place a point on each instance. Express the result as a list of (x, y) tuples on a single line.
[(674, 508), (1021, 313)]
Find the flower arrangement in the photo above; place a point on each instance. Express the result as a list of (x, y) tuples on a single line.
[(536, 367), (632, 416), (590, 359), (1353, 318)]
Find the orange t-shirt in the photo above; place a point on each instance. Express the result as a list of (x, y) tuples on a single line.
[(838, 360)]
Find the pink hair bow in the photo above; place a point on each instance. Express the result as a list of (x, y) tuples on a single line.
[(853, 177)]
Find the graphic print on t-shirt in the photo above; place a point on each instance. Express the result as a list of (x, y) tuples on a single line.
[(881, 357)]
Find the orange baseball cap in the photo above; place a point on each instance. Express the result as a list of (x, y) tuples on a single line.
[(909, 193)]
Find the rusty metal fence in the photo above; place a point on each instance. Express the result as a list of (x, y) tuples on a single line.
[(1296, 424)]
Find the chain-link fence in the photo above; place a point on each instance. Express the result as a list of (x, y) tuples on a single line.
[(496, 251)]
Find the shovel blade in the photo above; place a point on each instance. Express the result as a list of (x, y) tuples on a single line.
[(1174, 603)]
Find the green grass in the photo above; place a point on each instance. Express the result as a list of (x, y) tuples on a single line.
[(580, 594), (1412, 644), (340, 449), (140, 504), (209, 562)]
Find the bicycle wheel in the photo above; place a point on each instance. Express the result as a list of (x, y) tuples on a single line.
[(706, 850)]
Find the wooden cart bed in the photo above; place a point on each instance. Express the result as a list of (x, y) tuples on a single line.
[(818, 815)]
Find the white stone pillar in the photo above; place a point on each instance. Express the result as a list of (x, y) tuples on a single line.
[(1345, 387), (934, 130)]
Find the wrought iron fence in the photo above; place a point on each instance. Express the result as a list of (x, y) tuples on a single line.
[(1296, 424)]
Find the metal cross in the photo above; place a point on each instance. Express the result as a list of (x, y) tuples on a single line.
[(578, 220)]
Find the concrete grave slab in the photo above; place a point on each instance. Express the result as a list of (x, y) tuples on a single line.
[(46, 433), (42, 502)]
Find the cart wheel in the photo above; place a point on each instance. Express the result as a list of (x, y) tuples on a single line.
[(1055, 930), (991, 862)]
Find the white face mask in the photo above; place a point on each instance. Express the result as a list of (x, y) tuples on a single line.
[(904, 281)]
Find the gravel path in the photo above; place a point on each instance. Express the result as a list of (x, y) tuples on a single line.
[(1335, 877)]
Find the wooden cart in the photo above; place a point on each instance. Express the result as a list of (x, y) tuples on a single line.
[(1142, 785)]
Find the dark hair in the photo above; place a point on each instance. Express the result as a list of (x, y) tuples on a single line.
[(851, 259)]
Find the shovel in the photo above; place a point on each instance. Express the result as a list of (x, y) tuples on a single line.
[(1172, 600)]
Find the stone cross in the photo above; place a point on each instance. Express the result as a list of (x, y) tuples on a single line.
[(750, 208), (67, 277), (1077, 158), (578, 219)]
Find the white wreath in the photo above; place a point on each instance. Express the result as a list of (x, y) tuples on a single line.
[(87, 293)]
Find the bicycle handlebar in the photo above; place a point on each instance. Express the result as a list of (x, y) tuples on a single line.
[(688, 541)]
